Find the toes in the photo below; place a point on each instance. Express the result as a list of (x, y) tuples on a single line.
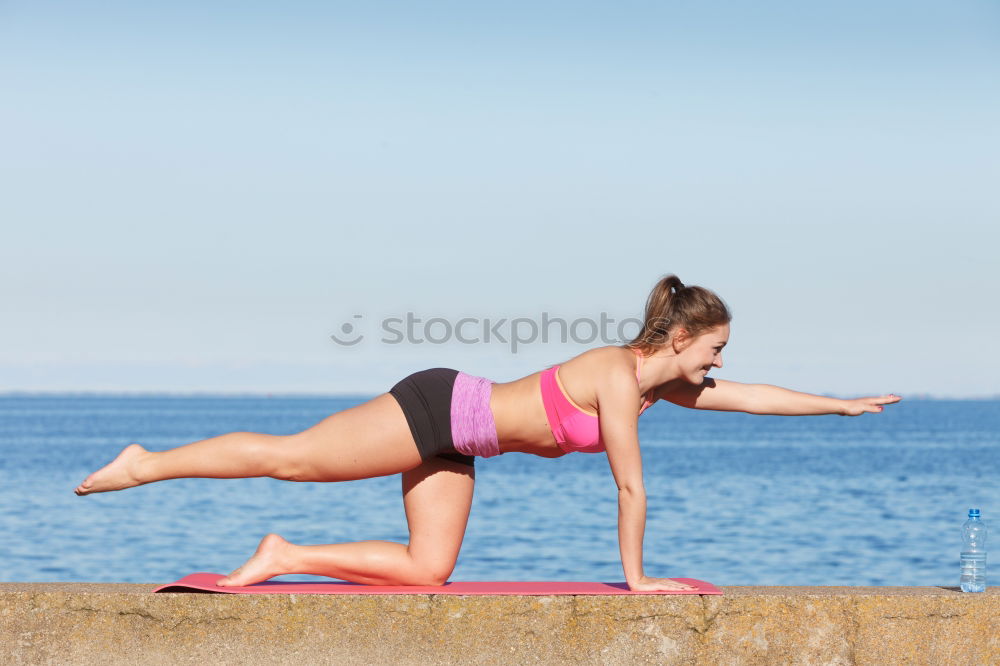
[(230, 580)]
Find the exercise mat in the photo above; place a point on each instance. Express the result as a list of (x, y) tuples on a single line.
[(205, 582)]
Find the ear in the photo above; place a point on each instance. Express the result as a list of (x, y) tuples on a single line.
[(681, 339)]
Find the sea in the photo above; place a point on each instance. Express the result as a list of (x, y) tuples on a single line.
[(733, 498)]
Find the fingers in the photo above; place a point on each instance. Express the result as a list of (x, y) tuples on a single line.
[(875, 404), (662, 585), (672, 584)]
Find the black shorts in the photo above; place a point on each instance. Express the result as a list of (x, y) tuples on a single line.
[(425, 397)]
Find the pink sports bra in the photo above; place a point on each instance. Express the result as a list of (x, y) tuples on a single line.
[(573, 428)]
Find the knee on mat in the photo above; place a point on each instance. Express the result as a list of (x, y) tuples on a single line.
[(432, 574)]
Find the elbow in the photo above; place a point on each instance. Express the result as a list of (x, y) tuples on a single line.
[(632, 491)]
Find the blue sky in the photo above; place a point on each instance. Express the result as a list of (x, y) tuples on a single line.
[(195, 196)]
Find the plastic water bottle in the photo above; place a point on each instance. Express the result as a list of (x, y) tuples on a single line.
[(973, 553)]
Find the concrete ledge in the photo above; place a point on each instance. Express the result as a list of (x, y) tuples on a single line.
[(79, 623)]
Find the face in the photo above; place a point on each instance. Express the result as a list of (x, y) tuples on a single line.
[(703, 353)]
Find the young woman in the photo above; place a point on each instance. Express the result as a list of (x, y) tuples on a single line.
[(430, 426)]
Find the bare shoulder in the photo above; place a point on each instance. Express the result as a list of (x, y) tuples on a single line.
[(581, 376), (682, 393), (603, 359)]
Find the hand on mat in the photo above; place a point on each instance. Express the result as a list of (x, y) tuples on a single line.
[(862, 405), (647, 584)]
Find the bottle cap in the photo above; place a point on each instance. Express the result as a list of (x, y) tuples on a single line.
[(973, 513)]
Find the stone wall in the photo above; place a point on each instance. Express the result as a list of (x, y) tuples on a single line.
[(77, 623)]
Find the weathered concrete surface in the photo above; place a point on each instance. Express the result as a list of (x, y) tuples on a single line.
[(73, 623)]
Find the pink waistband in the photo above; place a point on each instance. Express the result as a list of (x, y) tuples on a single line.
[(473, 430)]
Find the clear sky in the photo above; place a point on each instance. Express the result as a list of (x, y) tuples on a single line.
[(195, 195)]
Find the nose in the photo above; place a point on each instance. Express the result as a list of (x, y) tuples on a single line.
[(718, 361)]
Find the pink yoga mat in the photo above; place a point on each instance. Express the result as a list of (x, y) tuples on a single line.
[(205, 582)]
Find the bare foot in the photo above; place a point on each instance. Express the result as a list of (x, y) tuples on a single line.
[(266, 563), (119, 474)]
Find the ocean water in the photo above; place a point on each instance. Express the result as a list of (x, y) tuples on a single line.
[(735, 499)]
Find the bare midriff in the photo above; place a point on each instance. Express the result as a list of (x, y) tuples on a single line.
[(519, 414)]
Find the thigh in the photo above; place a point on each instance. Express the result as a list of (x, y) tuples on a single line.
[(437, 497), (370, 439)]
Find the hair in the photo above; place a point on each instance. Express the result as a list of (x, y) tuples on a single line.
[(672, 306)]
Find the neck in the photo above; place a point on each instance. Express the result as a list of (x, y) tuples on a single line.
[(662, 370)]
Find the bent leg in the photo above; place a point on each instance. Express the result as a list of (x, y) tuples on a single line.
[(437, 496), (371, 439)]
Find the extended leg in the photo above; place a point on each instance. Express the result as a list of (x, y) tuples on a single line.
[(371, 439), (437, 496), (230, 456)]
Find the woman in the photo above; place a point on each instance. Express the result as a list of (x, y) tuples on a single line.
[(430, 425)]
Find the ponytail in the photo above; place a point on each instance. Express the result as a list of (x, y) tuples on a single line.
[(672, 306)]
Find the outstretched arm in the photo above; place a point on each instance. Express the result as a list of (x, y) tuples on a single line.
[(727, 396)]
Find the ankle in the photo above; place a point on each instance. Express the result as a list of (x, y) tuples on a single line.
[(142, 467), (287, 558)]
